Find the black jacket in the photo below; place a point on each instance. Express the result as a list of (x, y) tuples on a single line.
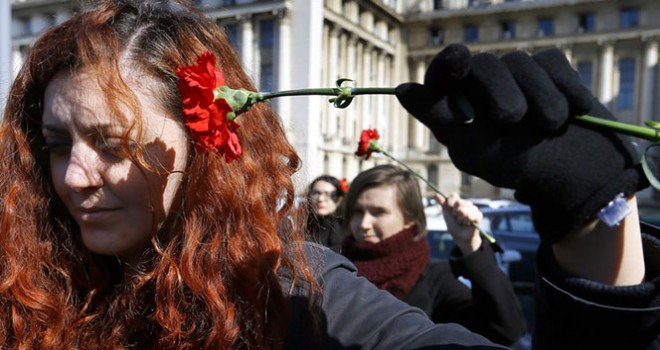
[(490, 307), (325, 230), (573, 314), (354, 314)]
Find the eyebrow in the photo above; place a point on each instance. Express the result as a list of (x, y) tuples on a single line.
[(96, 128)]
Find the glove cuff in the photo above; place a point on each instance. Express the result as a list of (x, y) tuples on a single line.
[(554, 220)]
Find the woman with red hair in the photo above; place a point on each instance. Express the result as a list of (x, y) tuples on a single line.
[(122, 228)]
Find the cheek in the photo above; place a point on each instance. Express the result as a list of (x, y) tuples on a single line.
[(166, 175), (332, 206), (57, 173), (355, 224)]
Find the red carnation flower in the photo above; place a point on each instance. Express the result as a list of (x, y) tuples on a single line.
[(207, 117), (368, 143), (343, 184)]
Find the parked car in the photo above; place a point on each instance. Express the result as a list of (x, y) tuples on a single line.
[(649, 214), (441, 244), (512, 227)]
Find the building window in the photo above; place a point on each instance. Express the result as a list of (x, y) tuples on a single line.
[(233, 32), (266, 78), (586, 22), (626, 98), (508, 29), (546, 27), (471, 33), (586, 74), (436, 36), (438, 4), (266, 34), (629, 18), (266, 52)]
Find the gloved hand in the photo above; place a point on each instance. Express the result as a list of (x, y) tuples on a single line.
[(520, 136)]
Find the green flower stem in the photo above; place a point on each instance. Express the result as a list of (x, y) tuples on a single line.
[(485, 234), (412, 171), (647, 133), (327, 92), (642, 132)]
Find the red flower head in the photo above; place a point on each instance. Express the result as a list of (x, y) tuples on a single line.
[(205, 116), (343, 184), (368, 143)]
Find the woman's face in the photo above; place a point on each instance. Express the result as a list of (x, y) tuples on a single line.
[(376, 215), (324, 198), (116, 203)]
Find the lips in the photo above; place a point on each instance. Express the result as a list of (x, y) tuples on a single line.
[(372, 239), (94, 214)]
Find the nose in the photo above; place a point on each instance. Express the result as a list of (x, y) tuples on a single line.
[(83, 169), (366, 222)]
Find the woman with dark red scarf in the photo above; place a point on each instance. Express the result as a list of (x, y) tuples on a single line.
[(385, 216)]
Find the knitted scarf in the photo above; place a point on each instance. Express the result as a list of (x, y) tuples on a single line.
[(394, 264)]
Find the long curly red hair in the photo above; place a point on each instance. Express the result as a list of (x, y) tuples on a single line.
[(212, 279)]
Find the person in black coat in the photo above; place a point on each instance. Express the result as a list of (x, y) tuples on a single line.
[(513, 121), (385, 216), (324, 197)]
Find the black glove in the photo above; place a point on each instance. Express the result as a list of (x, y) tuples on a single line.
[(519, 135)]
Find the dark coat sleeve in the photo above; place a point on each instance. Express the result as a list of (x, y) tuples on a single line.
[(326, 231), (575, 313), (354, 314), (490, 307)]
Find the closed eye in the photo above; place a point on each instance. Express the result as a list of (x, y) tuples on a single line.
[(57, 146), (115, 148)]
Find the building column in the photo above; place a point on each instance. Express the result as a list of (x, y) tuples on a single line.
[(606, 72), (247, 45), (306, 47), (381, 111), (343, 74), (352, 167), (359, 77), (365, 117), (648, 79), (6, 74), (283, 71), (351, 71), (335, 164), (17, 59), (333, 65), (418, 133)]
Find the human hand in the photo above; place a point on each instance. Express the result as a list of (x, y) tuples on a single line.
[(462, 218), (519, 136)]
